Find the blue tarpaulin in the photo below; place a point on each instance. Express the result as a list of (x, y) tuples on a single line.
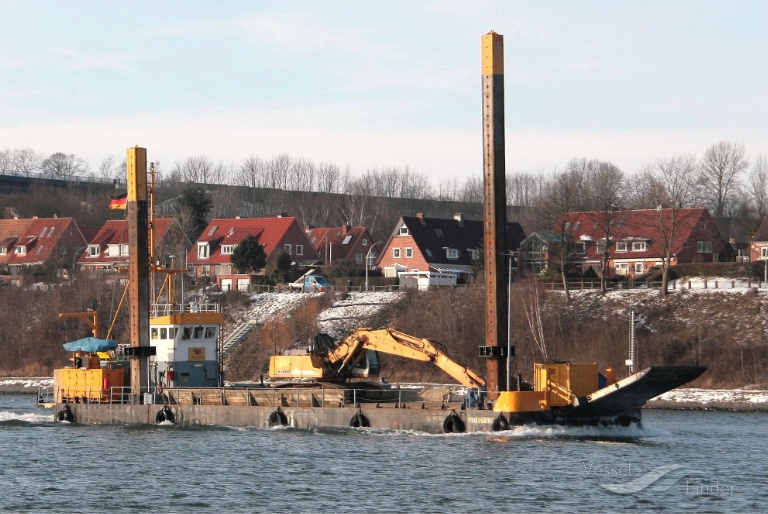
[(91, 345)]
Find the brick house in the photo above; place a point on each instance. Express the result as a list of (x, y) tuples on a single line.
[(342, 244), (758, 243), (637, 239), (455, 245), (27, 242), (108, 249), (211, 255)]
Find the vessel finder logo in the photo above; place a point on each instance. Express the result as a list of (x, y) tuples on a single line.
[(659, 479)]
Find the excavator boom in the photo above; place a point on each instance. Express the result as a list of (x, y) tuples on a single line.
[(404, 345)]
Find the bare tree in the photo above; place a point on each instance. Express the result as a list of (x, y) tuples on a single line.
[(64, 165), (108, 167), (605, 196), (564, 195), (674, 185), (719, 172), (757, 186)]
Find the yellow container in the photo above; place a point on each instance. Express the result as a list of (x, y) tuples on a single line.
[(579, 379), (77, 384), (521, 401)]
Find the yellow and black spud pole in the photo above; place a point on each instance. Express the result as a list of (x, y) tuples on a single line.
[(494, 211), (138, 266)]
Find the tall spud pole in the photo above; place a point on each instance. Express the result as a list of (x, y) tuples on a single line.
[(138, 265), (494, 210)]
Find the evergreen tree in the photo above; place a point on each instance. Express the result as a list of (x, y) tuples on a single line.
[(192, 209), (249, 256)]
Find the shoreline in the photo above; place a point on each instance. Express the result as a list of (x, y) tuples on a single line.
[(735, 400)]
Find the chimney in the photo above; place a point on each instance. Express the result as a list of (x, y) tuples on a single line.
[(459, 217), (420, 215)]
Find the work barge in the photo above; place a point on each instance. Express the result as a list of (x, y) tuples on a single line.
[(172, 373)]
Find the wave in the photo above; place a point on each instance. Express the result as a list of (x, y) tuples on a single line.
[(11, 418)]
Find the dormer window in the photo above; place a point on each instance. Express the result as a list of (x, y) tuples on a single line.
[(639, 246), (227, 249), (451, 253), (203, 250), (621, 246), (474, 253), (94, 250), (404, 231), (21, 250)]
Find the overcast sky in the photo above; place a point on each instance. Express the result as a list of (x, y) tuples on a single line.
[(377, 84)]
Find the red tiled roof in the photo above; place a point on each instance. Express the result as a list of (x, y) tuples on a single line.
[(39, 235), (635, 225), (270, 232), (328, 242)]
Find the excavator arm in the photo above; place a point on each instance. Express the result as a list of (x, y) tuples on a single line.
[(403, 345)]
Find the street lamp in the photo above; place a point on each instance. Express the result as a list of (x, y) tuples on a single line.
[(368, 261)]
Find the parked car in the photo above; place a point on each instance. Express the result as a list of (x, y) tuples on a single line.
[(312, 283)]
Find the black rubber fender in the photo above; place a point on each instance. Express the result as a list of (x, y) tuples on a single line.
[(500, 423), (65, 414), (278, 418), (165, 414), (359, 420), (453, 424)]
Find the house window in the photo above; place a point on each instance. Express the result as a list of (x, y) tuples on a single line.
[(347, 239), (299, 249), (763, 252), (39, 250), (212, 230), (600, 247), (227, 249), (621, 246), (639, 267), (287, 249), (396, 253), (622, 268), (202, 251), (474, 253), (21, 250), (123, 250), (3, 251), (359, 258), (94, 250), (364, 242), (580, 247), (408, 252), (439, 233), (451, 253), (704, 247), (639, 246)]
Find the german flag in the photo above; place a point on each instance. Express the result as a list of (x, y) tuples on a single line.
[(118, 201)]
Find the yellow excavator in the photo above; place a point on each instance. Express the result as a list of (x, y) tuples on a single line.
[(357, 357)]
